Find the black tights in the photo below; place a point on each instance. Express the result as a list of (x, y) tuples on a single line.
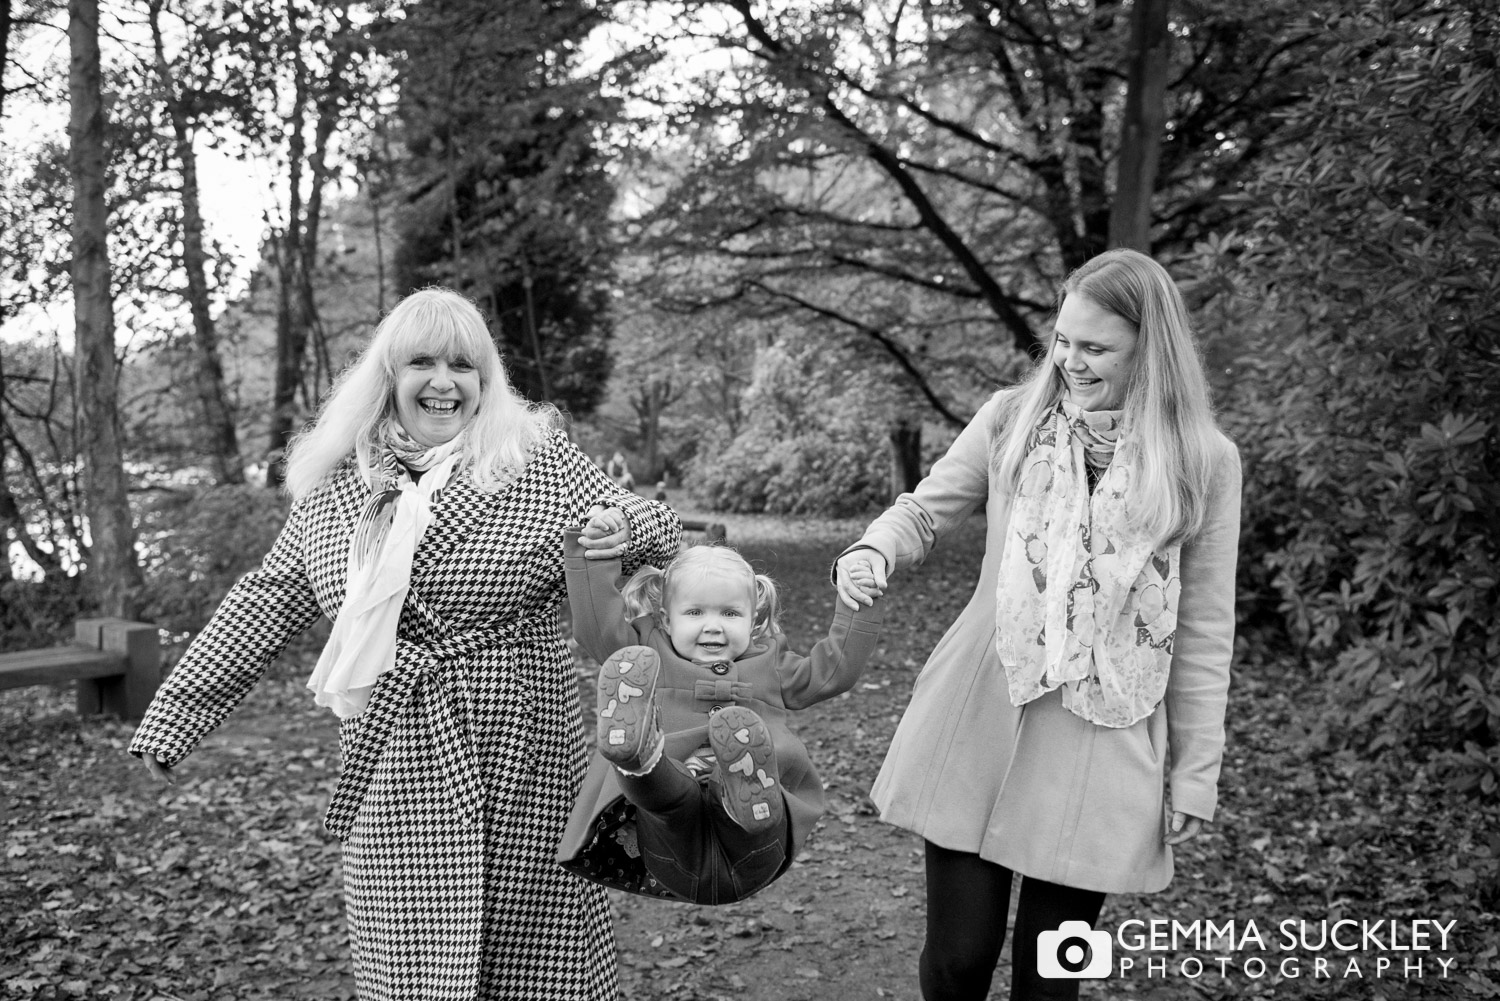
[(968, 900)]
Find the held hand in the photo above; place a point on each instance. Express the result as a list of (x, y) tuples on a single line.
[(159, 771), (606, 535), (860, 577), (1182, 828)]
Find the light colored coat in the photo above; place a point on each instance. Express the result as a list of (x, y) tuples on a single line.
[(457, 780), (1036, 788)]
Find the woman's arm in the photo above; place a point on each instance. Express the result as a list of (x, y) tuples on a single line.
[(1198, 685), (250, 628), (909, 528), (653, 531)]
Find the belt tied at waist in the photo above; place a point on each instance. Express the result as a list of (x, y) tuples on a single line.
[(723, 690), (445, 701)]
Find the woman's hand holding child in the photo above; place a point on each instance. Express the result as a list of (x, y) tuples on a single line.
[(606, 535), (860, 577)]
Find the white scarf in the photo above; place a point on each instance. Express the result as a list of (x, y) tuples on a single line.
[(1083, 602), (362, 645)]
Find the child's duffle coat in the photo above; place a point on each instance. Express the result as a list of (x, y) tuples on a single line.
[(767, 678), (1034, 787)]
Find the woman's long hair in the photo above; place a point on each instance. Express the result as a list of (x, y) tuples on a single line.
[(1168, 430), (440, 323), (649, 589)]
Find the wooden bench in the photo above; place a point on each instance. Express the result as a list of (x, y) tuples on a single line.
[(116, 663), (713, 531)]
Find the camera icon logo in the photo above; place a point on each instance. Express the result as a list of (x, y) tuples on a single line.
[(1074, 952)]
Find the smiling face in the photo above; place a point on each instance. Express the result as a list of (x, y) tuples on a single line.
[(710, 616), (1094, 351), (435, 397)]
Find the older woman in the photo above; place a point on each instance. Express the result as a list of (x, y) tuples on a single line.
[(1095, 650), (429, 504)]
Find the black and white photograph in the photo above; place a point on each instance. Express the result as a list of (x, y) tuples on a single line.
[(749, 500)]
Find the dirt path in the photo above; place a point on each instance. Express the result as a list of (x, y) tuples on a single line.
[(844, 922)]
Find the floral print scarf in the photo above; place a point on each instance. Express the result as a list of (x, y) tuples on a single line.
[(1083, 602)]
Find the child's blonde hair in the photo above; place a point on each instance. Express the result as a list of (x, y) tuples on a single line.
[(647, 590)]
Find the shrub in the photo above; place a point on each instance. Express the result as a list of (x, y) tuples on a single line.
[(197, 544), (39, 614), (1368, 397), (818, 472), (805, 450)]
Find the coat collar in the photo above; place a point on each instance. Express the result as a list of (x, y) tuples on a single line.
[(458, 510)]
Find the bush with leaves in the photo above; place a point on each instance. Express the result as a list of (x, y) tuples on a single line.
[(1367, 401), (35, 614), (819, 472), (806, 448), (198, 542)]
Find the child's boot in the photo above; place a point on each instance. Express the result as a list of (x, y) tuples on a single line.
[(628, 733), (748, 779)]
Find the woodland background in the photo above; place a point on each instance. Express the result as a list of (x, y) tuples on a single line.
[(778, 253)]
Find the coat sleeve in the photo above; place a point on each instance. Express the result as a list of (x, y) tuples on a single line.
[(837, 660), (599, 622), (655, 529), (957, 484), (1198, 685), (264, 610)]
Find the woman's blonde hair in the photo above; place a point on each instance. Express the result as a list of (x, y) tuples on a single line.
[(649, 589), (442, 324), (1168, 427)]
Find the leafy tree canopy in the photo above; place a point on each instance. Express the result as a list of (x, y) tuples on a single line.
[(505, 188)]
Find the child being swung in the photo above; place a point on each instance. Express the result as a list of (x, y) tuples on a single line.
[(698, 790)]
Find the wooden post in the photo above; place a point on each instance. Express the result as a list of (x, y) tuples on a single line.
[(127, 695)]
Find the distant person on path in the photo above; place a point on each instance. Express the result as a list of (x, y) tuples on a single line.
[(429, 497), (699, 790), (619, 471), (1097, 644)]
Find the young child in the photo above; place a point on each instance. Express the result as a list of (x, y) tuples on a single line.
[(698, 790)]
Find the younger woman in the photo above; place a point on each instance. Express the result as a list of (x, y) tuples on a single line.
[(698, 790), (1070, 724)]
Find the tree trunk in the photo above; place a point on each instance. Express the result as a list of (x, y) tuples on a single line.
[(222, 438), (291, 332), (297, 255), (114, 574), (650, 403), (291, 345), (536, 343), (906, 457), (11, 520), (1145, 118), (5, 22)]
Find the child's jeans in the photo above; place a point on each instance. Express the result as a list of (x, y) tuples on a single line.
[(691, 845)]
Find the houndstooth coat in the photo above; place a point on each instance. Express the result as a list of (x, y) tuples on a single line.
[(458, 779)]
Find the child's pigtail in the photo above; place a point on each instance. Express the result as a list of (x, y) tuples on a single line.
[(642, 593), (767, 607)]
